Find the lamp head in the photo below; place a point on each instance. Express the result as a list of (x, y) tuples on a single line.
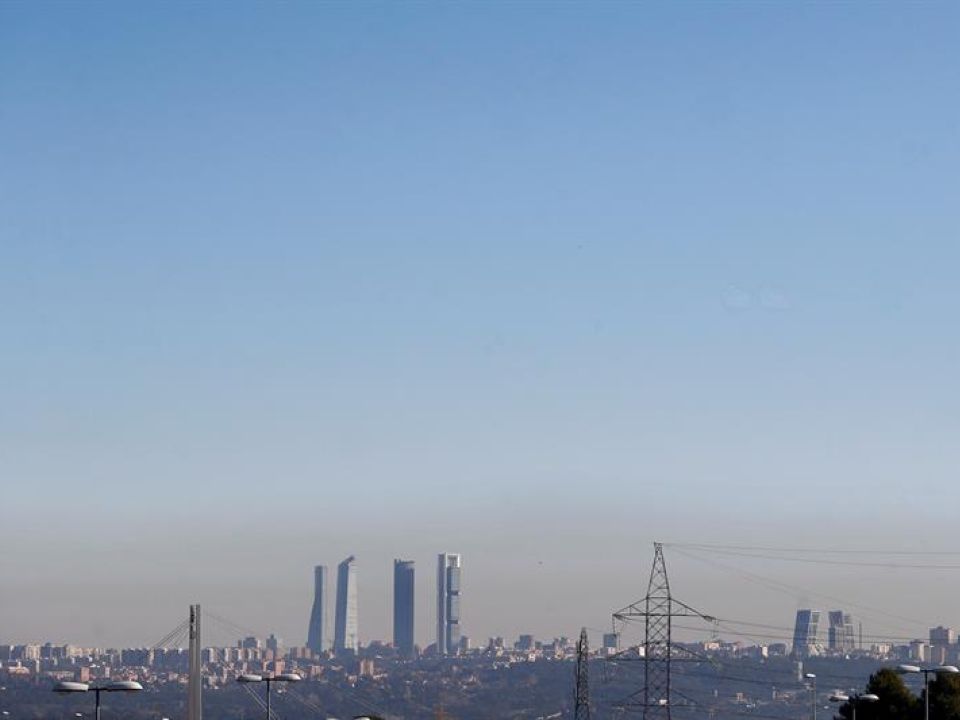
[(67, 686), (124, 686)]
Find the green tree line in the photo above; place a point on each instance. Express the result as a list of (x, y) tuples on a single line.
[(896, 702)]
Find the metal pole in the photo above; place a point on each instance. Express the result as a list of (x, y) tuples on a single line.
[(268, 698), (96, 692), (813, 700), (926, 695)]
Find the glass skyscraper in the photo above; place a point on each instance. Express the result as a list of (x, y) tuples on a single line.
[(805, 633), (317, 632), (448, 603), (840, 636), (403, 607), (345, 636)]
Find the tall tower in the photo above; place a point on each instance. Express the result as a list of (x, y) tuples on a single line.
[(194, 699), (448, 603), (317, 632), (581, 694), (657, 611), (840, 632), (345, 627), (805, 633), (403, 607)]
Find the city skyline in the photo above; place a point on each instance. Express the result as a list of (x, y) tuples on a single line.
[(540, 283), (881, 625), (940, 643)]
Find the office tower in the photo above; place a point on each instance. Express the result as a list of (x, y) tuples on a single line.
[(840, 632), (448, 603), (805, 633), (345, 625), (942, 648), (317, 632), (403, 607), (941, 636), (275, 645)]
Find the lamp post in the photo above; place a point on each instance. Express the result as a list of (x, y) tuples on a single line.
[(927, 672), (282, 677), (854, 700), (118, 686), (813, 693)]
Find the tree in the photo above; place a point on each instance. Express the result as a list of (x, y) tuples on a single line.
[(896, 701), (945, 697)]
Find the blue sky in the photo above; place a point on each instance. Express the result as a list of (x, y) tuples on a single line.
[(283, 283)]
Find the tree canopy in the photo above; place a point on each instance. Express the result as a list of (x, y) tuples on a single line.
[(896, 701)]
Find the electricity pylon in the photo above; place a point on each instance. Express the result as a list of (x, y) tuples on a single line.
[(581, 697), (657, 610)]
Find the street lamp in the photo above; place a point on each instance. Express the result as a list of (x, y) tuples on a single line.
[(118, 686), (938, 670), (813, 692), (854, 700), (282, 677)]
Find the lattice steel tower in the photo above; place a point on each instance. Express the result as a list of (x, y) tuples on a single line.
[(657, 610), (581, 697)]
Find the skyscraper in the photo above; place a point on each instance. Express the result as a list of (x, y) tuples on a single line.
[(448, 603), (403, 606), (840, 632), (345, 636), (805, 633), (317, 632)]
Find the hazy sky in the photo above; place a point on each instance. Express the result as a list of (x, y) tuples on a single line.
[(536, 283)]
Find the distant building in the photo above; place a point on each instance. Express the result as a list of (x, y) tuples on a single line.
[(805, 633), (345, 633), (275, 645), (942, 648), (448, 603), (840, 636), (403, 587), (942, 636), (317, 632)]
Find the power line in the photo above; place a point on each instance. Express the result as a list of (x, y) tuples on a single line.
[(893, 639), (794, 590), (823, 561), (825, 551)]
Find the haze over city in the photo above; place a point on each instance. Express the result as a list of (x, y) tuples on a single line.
[(537, 284)]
